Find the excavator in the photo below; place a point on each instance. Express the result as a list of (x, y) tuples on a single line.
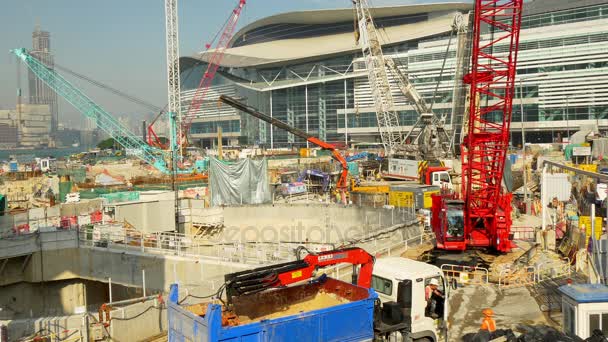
[(342, 184)]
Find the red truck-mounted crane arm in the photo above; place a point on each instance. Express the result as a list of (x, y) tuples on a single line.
[(342, 182), (263, 278)]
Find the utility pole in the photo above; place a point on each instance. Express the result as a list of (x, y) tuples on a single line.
[(527, 200), (174, 96)]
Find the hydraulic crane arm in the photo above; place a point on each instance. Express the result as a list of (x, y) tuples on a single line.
[(342, 184), (104, 120), (263, 278)]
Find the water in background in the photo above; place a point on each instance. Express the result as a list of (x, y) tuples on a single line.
[(42, 153)]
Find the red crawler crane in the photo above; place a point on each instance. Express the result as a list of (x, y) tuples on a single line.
[(483, 217)]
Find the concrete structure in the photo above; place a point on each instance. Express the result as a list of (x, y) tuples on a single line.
[(304, 68), (153, 212), (40, 93), (28, 125), (9, 133), (36, 124)]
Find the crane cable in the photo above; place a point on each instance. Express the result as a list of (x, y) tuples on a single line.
[(115, 91)]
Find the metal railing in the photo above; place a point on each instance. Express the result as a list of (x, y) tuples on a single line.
[(466, 275), (175, 244), (531, 275), (523, 233)]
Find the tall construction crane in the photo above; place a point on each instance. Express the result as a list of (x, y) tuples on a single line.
[(212, 66), (367, 37), (104, 120), (342, 184), (432, 142), (482, 218), (173, 81)]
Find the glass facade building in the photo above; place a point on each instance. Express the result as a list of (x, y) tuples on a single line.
[(322, 87)]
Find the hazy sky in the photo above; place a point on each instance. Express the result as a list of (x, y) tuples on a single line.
[(121, 42)]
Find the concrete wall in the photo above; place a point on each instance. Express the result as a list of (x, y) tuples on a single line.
[(134, 322), (123, 267), (301, 223), (58, 298), (154, 213)]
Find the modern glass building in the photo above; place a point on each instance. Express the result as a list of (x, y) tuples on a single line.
[(304, 68)]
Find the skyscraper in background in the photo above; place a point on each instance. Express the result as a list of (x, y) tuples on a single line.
[(40, 93)]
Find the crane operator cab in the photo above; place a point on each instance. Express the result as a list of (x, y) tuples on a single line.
[(402, 286), (448, 223)]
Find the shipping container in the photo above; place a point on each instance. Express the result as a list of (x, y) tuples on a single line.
[(414, 195), (368, 199)]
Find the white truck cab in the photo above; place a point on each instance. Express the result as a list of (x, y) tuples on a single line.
[(441, 179), (392, 275)]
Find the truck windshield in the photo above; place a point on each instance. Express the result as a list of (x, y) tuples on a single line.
[(444, 178), (455, 223)]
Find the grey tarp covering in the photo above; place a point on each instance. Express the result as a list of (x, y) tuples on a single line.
[(242, 182), (600, 148)]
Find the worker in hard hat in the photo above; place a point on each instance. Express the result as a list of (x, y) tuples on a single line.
[(431, 294), (488, 324)]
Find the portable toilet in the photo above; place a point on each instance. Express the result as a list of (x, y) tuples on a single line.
[(584, 309)]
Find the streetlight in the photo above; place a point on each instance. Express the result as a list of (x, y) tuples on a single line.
[(523, 136)]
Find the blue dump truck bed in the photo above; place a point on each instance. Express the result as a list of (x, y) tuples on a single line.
[(329, 311)]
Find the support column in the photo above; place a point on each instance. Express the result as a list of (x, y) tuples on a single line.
[(345, 115), (269, 125), (306, 111)]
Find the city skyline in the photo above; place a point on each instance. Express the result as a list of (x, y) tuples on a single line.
[(135, 63)]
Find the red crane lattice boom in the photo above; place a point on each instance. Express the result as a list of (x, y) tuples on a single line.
[(212, 66), (492, 80), (206, 80)]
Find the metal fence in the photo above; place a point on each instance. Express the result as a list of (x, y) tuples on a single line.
[(466, 275)]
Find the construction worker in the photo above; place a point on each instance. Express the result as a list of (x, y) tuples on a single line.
[(488, 324), (431, 293)]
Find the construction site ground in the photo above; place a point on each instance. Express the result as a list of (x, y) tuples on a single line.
[(526, 307), (514, 308)]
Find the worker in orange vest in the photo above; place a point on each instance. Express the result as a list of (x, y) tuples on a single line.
[(488, 324)]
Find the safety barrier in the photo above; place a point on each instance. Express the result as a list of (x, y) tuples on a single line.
[(523, 233), (114, 236), (466, 275), (534, 274), (547, 270), (510, 278)]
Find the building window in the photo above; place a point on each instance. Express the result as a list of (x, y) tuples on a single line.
[(382, 285), (598, 321), (569, 319)]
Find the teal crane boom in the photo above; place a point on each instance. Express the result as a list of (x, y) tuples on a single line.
[(104, 120)]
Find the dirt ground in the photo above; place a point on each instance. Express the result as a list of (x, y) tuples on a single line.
[(512, 307)]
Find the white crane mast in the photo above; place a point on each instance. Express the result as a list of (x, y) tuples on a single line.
[(173, 81), (388, 119)]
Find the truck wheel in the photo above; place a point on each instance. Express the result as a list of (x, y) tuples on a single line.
[(395, 336), (424, 339)]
